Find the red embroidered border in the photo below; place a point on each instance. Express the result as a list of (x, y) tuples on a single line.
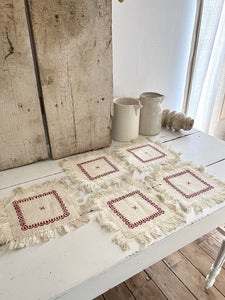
[(80, 165), (209, 187), (144, 220), (151, 159), (21, 218)]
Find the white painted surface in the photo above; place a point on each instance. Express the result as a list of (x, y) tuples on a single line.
[(44, 169), (170, 134), (85, 263), (218, 169), (143, 258), (151, 43), (29, 172), (200, 147)]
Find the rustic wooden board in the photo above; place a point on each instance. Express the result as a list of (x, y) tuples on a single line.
[(149, 291), (190, 277), (119, 292), (137, 281), (22, 138), (168, 283), (73, 42), (202, 261), (211, 246)]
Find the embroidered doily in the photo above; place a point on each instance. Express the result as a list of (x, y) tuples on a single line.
[(94, 170), (146, 154), (189, 186), (136, 212), (36, 214)]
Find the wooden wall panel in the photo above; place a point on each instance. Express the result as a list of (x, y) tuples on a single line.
[(22, 138), (73, 41)]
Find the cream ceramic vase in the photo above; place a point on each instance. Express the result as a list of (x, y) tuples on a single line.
[(125, 122), (151, 114)]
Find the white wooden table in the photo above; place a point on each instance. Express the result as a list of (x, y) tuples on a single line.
[(86, 263)]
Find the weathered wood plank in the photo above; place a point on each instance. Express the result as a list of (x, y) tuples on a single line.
[(191, 277), (218, 236), (99, 298), (22, 138), (168, 283), (203, 262), (74, 51), (205, 237), (137, 281), (119, 292), (211, 246), (149, 291)]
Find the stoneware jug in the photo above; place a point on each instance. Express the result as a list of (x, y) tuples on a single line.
[(151, 114), (125, 122)]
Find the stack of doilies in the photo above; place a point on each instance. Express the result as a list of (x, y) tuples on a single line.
[(142, 191)]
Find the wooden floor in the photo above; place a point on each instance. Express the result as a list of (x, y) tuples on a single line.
[(179, 276)]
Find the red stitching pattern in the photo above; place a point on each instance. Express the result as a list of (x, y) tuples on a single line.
[(167, 180), (80, 165), (21, 218), (144, 220), (151, 159)]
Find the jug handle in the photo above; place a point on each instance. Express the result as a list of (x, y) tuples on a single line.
[(162, 98), (139, 103)]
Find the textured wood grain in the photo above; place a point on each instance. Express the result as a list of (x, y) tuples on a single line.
[(202, 261), (100, 298), (136, 282), (149, 291), (211, 246), (190, 277), (73, 42), (119, 292), (168, 283), (22, 138)]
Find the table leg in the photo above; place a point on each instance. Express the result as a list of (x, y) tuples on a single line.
[(216, 267)]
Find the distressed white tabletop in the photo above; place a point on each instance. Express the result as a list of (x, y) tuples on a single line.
[(85, 263)]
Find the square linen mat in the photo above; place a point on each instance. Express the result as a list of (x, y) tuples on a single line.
[(146, 154), (136, 212), (189, 186), (94, 170), (38, 213)]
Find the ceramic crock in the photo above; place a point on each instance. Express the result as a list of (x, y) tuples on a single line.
[(151, 114), (125, 122)]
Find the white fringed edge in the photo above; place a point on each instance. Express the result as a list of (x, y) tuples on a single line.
[(9, 242), (145, 236), (186, 205), (104, 183), (151, 167)]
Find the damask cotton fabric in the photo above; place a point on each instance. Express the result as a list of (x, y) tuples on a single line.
[(135, 212), (189, 187), (105, 183), (37, 214), (94, 170), (145, 154)]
